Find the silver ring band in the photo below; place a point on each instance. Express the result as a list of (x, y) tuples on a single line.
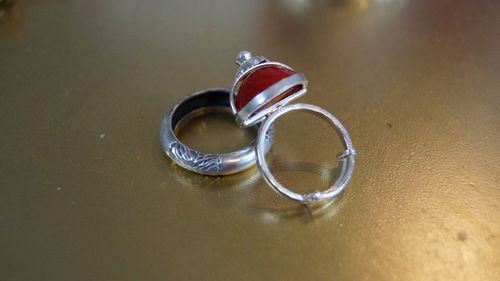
[(199, 162), (346, 157)]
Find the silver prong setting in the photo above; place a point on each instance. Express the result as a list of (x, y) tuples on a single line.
[(242, 57)]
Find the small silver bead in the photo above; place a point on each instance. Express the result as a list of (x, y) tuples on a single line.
[(312, 196), (242, 57)]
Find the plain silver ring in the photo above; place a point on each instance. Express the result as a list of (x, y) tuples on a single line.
[(346, 157), (196, 161)]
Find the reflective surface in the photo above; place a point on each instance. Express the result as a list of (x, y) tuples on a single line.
[(86, 193)]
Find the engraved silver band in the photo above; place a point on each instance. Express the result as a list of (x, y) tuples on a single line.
[(199, 162), (346, 157)]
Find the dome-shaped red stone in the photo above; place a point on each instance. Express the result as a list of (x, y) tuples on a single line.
[(258, 81)]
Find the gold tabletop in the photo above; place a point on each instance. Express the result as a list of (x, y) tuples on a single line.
[(87, 193)]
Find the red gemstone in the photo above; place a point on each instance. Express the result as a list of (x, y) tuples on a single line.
[(258, 81)]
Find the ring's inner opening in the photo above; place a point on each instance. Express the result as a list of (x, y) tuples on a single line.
[(205, 123), (304, 152)]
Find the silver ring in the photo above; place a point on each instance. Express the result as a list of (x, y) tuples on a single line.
[(346, 157), (199, 162)]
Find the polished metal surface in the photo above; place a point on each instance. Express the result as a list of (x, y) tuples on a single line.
[(87, 193), (346, 157), (214, 164)]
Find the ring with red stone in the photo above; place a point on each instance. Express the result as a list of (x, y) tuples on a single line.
[(261, 93), (260, 86)]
